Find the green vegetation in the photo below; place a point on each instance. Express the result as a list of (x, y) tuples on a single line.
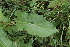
[(34, 23)]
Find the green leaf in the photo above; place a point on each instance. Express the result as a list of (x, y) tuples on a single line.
[(21, 43), (57, 3), (1, 45), (68, 32), (11, 30), (38, 30), (21, 16), (35, 24), (3, 18), (4, 40)]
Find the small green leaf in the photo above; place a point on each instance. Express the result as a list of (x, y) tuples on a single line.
[(57, 3), (3, 18)]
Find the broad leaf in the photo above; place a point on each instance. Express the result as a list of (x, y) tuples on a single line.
[(35, 24)]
